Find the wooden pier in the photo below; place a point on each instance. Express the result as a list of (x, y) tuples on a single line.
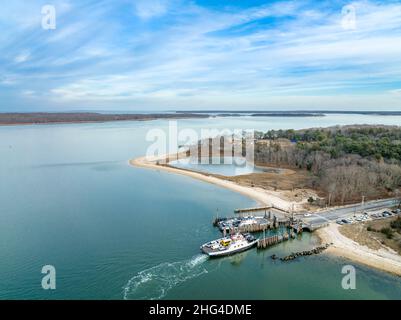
[(254, 209), (264, 243), (261, 224), (267, 242), (244, 210)]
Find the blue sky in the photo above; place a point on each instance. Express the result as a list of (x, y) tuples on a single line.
[(201, 54)]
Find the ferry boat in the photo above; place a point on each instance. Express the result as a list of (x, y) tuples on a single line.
[(229, 245)]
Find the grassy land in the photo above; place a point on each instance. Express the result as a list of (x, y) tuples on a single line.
[(375, 234)]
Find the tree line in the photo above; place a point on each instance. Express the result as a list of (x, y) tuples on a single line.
[(345, 163)]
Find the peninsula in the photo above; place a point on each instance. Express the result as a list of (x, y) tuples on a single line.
[(315, 157)]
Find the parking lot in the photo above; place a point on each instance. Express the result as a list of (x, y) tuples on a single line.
[(370, 215), (350, 213)]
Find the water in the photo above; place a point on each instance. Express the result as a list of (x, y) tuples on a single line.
[(68, 198), (228, 166)]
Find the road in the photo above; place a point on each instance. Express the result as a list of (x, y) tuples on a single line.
[(344, 212)]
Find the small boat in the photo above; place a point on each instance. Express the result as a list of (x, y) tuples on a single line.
[(229, 245)]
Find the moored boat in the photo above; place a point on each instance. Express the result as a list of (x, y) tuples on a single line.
[(229, 245)]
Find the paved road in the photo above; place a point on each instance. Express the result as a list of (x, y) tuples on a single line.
[(340, 213)]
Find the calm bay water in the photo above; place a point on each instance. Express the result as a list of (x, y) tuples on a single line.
[(68, 198), (226, 166)]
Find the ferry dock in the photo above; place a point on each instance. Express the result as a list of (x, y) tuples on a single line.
[(243, 223)]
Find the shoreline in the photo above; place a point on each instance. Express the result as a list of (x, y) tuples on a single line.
[(78, 117), (48, 118), (382, 259), (261, 196), (344, 247)]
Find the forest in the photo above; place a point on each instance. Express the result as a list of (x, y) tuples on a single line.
[(346, 163)]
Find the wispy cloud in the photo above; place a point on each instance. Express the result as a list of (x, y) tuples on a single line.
[(186, 54), (146, 9), (22, 57), (396, 91)]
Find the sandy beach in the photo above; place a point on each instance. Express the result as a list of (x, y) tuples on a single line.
[(261, 196), (382, 259)]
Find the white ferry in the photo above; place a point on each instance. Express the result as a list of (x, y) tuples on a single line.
[(229, 245)]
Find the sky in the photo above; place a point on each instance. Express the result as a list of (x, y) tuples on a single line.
[(154, 55)]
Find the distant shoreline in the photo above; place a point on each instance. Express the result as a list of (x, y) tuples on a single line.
[(30, 118), (8, 119), (292, 113)]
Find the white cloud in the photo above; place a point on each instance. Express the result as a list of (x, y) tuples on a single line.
[(28, 93), (223, 56), (396, 91), (146, 9), (8, 80), (22, 57)]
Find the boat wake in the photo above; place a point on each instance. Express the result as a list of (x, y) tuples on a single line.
[(155, 282)]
